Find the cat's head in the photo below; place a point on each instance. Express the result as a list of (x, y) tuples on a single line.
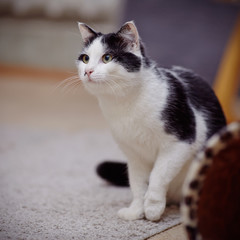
[(111, 63)]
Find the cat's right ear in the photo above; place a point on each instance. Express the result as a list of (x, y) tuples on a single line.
[(87, 33)]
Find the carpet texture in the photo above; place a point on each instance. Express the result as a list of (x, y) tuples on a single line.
[(49, 190)]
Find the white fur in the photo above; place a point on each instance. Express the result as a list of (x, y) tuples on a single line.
[(132, 105)]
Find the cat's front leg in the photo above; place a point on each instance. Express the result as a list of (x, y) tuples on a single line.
[(138, 178), (155, 204), (166, 168), (133, 212)]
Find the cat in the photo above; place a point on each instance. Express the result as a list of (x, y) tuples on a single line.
[(159, 117)]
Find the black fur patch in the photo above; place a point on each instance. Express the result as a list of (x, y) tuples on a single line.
[(129, 61), (114, 42), (117, 47), (178, 116), (203, 99)]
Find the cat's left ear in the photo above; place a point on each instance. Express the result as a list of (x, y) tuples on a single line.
[(129, 32), (86, 32)]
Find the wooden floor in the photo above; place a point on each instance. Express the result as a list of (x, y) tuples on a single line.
[(174, 233)]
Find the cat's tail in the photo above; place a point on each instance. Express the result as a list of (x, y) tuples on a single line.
[(114, 173)]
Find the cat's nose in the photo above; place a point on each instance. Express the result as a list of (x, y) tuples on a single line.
[(88, 72)]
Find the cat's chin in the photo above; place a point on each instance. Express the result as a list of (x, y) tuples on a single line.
[(99, 88)]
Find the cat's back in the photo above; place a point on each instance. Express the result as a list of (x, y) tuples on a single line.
[(193, 91)]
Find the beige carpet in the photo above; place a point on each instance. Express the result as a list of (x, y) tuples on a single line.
[(49, 189)]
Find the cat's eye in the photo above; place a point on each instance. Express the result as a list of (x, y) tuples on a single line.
[(106, 58), (85, 58)]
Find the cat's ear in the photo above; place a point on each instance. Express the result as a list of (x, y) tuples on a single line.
[(129, 32), (86, 32)]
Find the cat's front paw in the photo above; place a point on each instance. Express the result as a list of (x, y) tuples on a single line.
[(154, 208), (134, 212)]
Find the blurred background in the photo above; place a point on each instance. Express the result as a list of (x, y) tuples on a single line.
[(40, 42)]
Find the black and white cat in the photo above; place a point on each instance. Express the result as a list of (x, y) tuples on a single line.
[(159, 117)]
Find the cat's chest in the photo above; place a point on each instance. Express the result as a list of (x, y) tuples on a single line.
[(131, 127), (135, 124), (137, 119)]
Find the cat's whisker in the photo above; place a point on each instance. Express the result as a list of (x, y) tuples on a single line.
[(65, 82), (71, 85), (73, 89), (114, 78), (60, 87), (68, 87), (73, 79), (110, 82), (117, 84), (112, 88), (76, 87), (107, 75)]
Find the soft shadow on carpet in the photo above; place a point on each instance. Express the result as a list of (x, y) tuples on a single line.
[(49, 190)]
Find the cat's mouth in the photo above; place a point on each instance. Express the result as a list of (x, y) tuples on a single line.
[(90, 80)]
